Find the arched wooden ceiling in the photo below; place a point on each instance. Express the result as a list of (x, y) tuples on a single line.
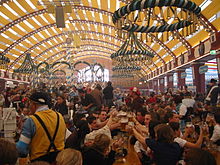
[(25, 26)]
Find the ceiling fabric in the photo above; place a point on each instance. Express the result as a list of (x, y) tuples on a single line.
[(26, 26)]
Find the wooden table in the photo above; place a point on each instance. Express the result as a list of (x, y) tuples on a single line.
[(131, 158), (216, 154)]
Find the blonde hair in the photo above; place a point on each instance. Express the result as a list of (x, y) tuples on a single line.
[(101, 143), (69, 157)]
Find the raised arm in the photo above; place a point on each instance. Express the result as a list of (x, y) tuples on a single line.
[(139, 137)]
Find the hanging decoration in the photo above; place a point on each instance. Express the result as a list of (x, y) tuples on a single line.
[(126, 69), (132, 52), (122, 76), (27, 67), (145, 16), (59, 8), (4, 61)]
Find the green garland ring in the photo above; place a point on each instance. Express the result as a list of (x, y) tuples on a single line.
[(126, 68), (132, 52), (143, 4)]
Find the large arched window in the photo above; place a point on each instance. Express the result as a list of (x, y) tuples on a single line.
[(86, 74), (212, 71)]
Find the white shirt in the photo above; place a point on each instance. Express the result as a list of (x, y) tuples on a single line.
[(216, 133), (188, 102), (182, 110), (104, 130), (138, 147), (180, 141)]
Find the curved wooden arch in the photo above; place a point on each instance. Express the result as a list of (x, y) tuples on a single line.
[(77, 70), (92, 50), (92, 32), (100, 51), (92, 45), (87, 70), (100, 66), (39, 12), (27, 36), (49, 26), (61, 62), (42, 42), (42, 63), (81, 62), (95, 40), (98, 33), (61, 52), (88, 39), (79, 31), (59, 70), (53, 47), (101, 56), (96, 71)]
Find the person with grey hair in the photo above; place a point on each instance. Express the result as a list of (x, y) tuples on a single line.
[(97, 94), (43, 133)]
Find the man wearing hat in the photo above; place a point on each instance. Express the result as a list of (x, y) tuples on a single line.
[(87, 101), (43, 134), (213, 95), (211, 84), (136, 102)]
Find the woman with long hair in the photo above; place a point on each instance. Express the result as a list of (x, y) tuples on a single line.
[(165, 150), (60, 105)]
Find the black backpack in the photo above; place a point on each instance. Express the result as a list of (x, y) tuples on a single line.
[(189, 112)]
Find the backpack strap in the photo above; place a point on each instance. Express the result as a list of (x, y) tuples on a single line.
[(208, 98), (52, 145)]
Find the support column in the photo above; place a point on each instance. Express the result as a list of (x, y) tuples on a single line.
[(2, 85), (151, 84), (218, 66), (181, 79), (162, 84), (155, 85), (198, 79), (170, 80)]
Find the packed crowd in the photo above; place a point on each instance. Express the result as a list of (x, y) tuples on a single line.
[(92, 125)]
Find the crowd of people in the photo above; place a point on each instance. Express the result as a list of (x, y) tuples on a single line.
[(81, 125)]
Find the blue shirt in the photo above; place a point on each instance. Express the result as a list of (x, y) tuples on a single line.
[(28, 131), (164, 153)]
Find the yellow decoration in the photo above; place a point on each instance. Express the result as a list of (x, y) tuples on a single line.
[(146, 38), (152, 39), (181, 14), (132, 17), (146, 11), (183, 32), (51, 9), (153, 15), (167, 36), (168, 13), (76, 41), (68, 9), (162, 38), (187, 31), (139, 17), (161, 13), (175, 14)]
